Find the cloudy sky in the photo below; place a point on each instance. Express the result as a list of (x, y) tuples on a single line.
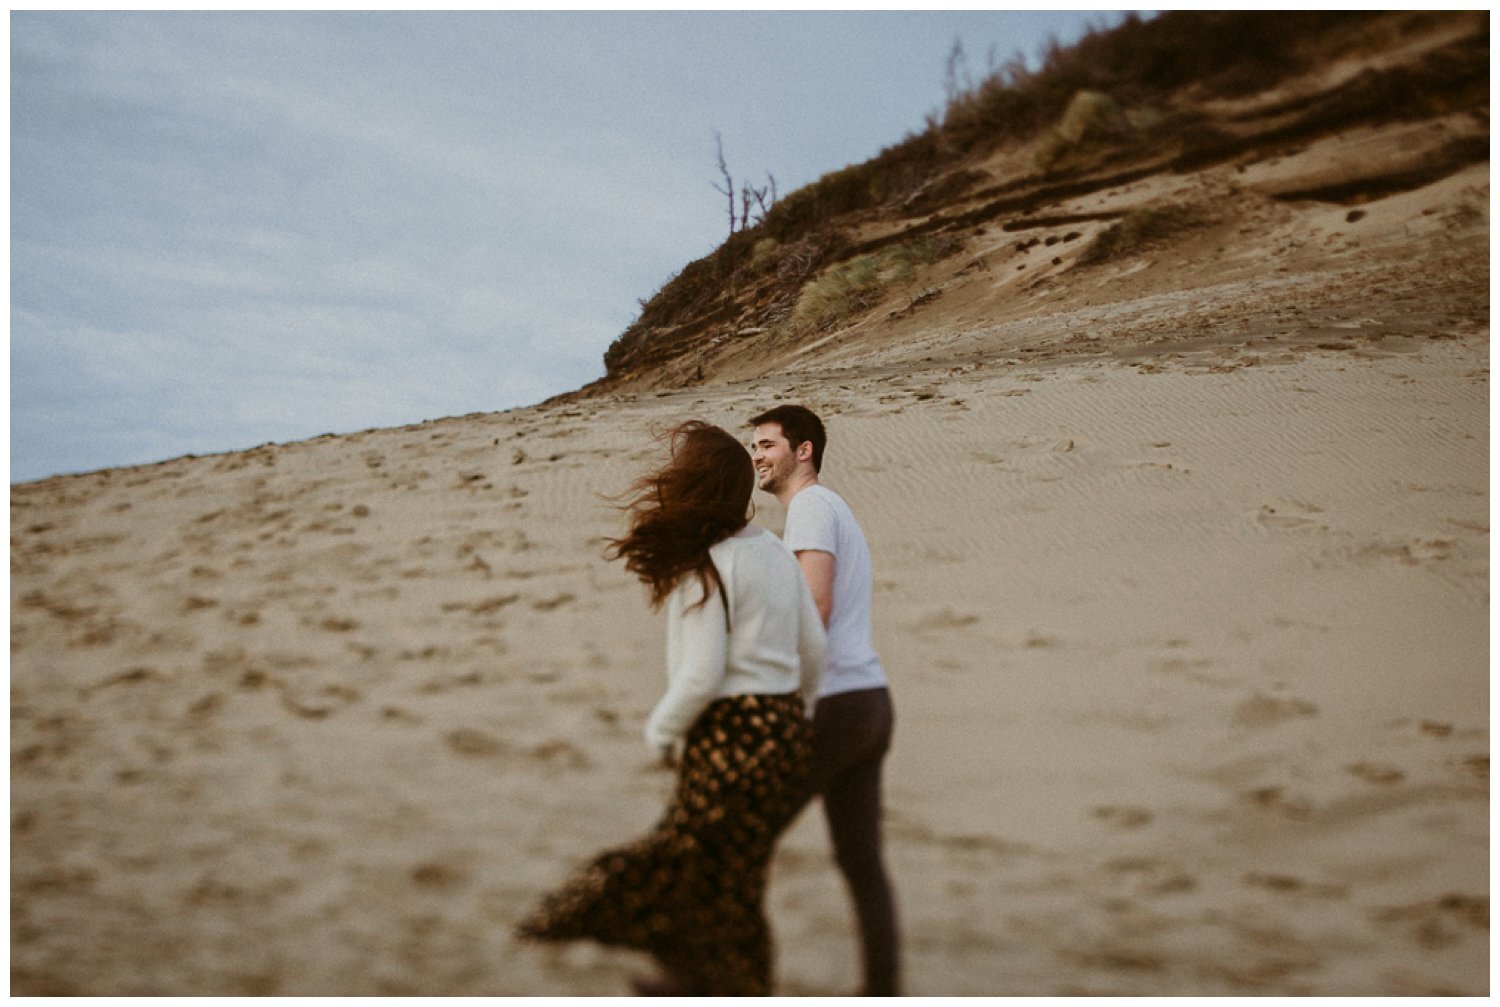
[(235, 228)]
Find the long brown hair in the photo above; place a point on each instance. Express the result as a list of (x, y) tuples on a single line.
[(699, 497)]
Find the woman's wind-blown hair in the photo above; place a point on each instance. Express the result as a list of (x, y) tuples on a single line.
[(699, 497)]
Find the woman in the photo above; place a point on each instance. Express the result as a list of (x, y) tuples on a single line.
[(744, 647)]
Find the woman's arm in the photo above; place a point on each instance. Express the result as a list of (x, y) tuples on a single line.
[(697, 655)]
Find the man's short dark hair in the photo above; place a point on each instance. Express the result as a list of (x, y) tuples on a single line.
[(799, 424)]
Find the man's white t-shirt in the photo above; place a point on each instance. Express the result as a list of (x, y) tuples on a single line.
[(818, 518)]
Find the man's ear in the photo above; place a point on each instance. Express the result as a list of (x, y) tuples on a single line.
[(804, 451)]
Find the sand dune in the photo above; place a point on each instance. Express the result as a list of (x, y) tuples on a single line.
[(1182, 581)]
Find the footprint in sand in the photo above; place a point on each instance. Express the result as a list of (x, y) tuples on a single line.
[(473, 480), (447, 682), (1111, 956), (1037, 640), (132, 676), (555, 602), (56, 607), (943, 621), (1277, 799), (1261, 711), (1192, 668), (1409, 553), (485, 606), (1376, 773), (1161, 467), (1478, 765), (1150, 876), (560, 754), (438, 875), (1441, 921), (1287, 884), (1436, 728), (206, 705), (474, 743), (319, 703), (1292, 514), (1123, 816), (399, 715)]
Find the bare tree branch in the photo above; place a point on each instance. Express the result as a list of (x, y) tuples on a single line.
[(956, 80), (764, 197), (759, 196), (728, 188)]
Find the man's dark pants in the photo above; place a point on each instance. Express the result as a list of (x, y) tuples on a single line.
[(852, 733)]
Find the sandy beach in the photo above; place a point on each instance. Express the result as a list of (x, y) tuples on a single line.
[(1190, 665)]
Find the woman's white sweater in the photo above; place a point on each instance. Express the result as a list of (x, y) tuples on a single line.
[(772, 640)]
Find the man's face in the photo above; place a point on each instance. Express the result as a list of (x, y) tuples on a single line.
[(773, 457)]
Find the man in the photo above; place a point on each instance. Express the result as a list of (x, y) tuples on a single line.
[(853, 719)]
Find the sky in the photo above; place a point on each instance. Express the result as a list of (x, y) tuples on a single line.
[(231, 229)]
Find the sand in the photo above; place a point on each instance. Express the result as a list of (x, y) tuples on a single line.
[(1190, 663)]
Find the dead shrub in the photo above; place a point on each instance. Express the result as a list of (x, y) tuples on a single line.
[(1142, 229)]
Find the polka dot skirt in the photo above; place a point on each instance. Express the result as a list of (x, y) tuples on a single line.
[(690, 892)]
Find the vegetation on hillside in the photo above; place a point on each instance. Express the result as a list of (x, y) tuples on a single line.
[(850, 286), (1128, 92)]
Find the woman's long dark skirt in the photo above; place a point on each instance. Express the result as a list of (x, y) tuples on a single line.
[(690, 892)]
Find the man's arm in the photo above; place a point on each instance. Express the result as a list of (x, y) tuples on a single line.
[(818, 567)]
